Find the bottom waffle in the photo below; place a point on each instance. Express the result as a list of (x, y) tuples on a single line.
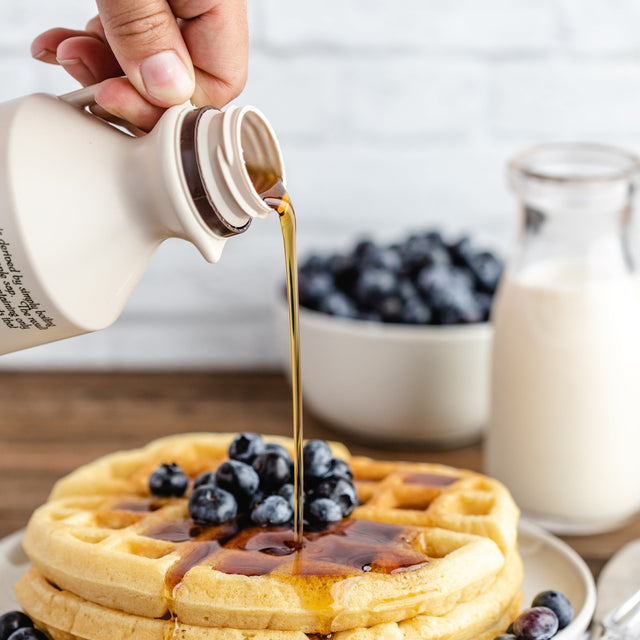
[(66, 616)]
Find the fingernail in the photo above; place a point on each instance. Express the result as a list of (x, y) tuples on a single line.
[(46, 55), (166, 78), (78, 69)]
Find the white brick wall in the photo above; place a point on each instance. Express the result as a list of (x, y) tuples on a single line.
[(392, 116)]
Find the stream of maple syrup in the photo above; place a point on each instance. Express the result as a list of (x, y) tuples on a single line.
[(272, 190)]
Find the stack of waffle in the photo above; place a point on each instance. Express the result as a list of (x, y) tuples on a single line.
[(430, 553)]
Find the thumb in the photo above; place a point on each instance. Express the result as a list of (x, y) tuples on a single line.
[(146, 40)]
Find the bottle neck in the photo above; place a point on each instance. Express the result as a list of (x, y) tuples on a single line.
[(197, 173), (216, 148), (576, 205)]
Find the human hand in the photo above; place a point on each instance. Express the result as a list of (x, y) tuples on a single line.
[(169, 50)]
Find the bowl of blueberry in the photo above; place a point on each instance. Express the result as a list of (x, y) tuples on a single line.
[(396, 339)]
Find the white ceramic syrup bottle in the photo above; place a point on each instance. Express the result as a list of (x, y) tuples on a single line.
[(84, 205)]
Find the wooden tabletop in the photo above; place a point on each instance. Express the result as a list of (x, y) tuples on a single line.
[(52, 422)]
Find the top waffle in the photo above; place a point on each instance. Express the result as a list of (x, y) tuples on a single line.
[(425, 540)]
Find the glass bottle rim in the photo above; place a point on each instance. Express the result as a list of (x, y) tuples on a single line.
[(607, 163)]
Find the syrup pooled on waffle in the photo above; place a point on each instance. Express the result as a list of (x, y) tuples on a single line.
[(430, 550)]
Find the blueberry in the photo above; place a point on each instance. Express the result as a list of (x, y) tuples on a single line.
[(420, 251), (245, 447), (558, 603), (344, 270), (340, 469), (274, 446), (273, 510), (274, 470), (212, 505), (364, 248), (383, 258), (537, 623), (435, 237), (436, 282), (369, 316), (323, 511), (238, 478), (374, 285), (27, 633), (314, 263), (484, 301), (338, 304), (415, 311), (486, 269), (206, 478), (340, 491), (407, 289), (316, 458), (459, 306), (390, 308), (256, 498), (11, 621), (168, 480), (461, 251), (314, 287), (288, 492)]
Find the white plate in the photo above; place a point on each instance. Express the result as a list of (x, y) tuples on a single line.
[(548, 564)]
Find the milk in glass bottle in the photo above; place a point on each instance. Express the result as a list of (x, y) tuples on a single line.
[(564, 432)]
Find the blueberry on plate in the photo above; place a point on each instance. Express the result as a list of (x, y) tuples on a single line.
[(212, 505), (316, 458), (273, 510), (274, 470), (12, 621), (340, 491), (245, 447), (323, 512), (275, 446), (558, 603), (288, 492), (206, 478), (168, 481), (238, 478), (340, 469), (27, 633), (537, 623)]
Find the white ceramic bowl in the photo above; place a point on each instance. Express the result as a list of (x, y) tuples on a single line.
[(391, 383)]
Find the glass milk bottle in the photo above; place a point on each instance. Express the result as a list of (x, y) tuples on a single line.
[(564, 430)]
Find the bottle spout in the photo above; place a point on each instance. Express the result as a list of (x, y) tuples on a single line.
[(225, 156), (196, 165)]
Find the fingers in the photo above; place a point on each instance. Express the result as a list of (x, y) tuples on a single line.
[(146, 40), (87, 59), (119, 97), (220, 60), (170, 51), (44, 47)]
